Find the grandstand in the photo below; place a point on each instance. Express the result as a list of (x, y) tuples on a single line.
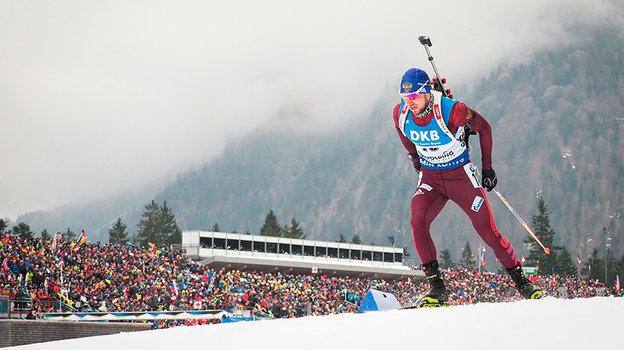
[(286, 255)]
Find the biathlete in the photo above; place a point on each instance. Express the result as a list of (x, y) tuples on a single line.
[(432, 128)]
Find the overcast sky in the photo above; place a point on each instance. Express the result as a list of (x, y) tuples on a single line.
[(99, 97)]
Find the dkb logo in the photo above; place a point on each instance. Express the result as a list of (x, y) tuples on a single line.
[(424, 135)]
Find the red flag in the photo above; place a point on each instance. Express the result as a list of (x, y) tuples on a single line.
[(578, 258)]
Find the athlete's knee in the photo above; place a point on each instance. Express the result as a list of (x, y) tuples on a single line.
[(490, 236)]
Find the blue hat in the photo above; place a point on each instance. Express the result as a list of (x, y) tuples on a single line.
[(413, 80)]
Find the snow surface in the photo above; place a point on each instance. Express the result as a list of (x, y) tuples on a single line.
[(550, 323)]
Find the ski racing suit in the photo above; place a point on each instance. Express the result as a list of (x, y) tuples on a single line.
[(447, 173)]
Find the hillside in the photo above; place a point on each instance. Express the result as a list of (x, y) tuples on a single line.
[(557, 117)]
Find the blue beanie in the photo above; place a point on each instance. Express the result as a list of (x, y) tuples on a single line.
[(413, 80)]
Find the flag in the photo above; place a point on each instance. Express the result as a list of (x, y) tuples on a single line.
[(175, 288), (523, 259), (55, 239), (5, 264), (578, 259), (391, 239), (617, 283), (482, 256), (81, 240)]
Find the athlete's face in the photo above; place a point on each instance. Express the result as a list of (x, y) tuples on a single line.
[(417, 103)]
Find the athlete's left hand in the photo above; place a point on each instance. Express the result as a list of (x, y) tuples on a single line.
[(489, 180)]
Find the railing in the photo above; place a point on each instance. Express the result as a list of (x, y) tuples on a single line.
[(20, 306), (11, 308), (65, 307)]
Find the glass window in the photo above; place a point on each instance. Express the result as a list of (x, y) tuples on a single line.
[(377, 256), (321, 251), (367, 255), (332, 252), (388, 257), (356, 254), (284, 248), (219, 243), (308, 250), (343, 253), (246, 246), (205, 242), (233, 244), (259, 247), (296, 249), (272, 247)]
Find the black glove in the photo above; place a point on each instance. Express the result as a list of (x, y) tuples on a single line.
[(489, 179), (415, 160)]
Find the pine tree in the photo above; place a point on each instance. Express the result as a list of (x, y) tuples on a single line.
[(172, 233), (540, 223), (342, 239), (158, 226), (271, 227), (69, 235), (149, 225), (45, 235), (467, 260), (446, 261), (619, 269), (23, 231), (293, 231), (611, 268), (356, 239), (215, 227), (118, 234), (4, 224), (594, 267), (565, 265)]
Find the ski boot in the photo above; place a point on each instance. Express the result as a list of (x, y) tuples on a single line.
[(523, 284), (437, 295)]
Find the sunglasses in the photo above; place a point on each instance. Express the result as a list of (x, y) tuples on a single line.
[(410, 95)]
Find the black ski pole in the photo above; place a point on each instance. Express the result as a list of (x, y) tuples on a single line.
[(426, 42)]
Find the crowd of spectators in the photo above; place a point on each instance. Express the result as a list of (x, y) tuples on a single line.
[(118, 278)]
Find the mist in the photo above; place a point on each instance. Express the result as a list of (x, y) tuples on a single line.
[(98, 98)]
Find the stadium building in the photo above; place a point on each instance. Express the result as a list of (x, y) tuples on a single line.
[(286, 255)]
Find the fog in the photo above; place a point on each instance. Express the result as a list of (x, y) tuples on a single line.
[(99, 97)]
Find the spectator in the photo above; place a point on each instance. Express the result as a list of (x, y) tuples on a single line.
[(32, 315), (125, 278)]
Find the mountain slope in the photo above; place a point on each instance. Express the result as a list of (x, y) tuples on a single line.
[(557, 120)]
